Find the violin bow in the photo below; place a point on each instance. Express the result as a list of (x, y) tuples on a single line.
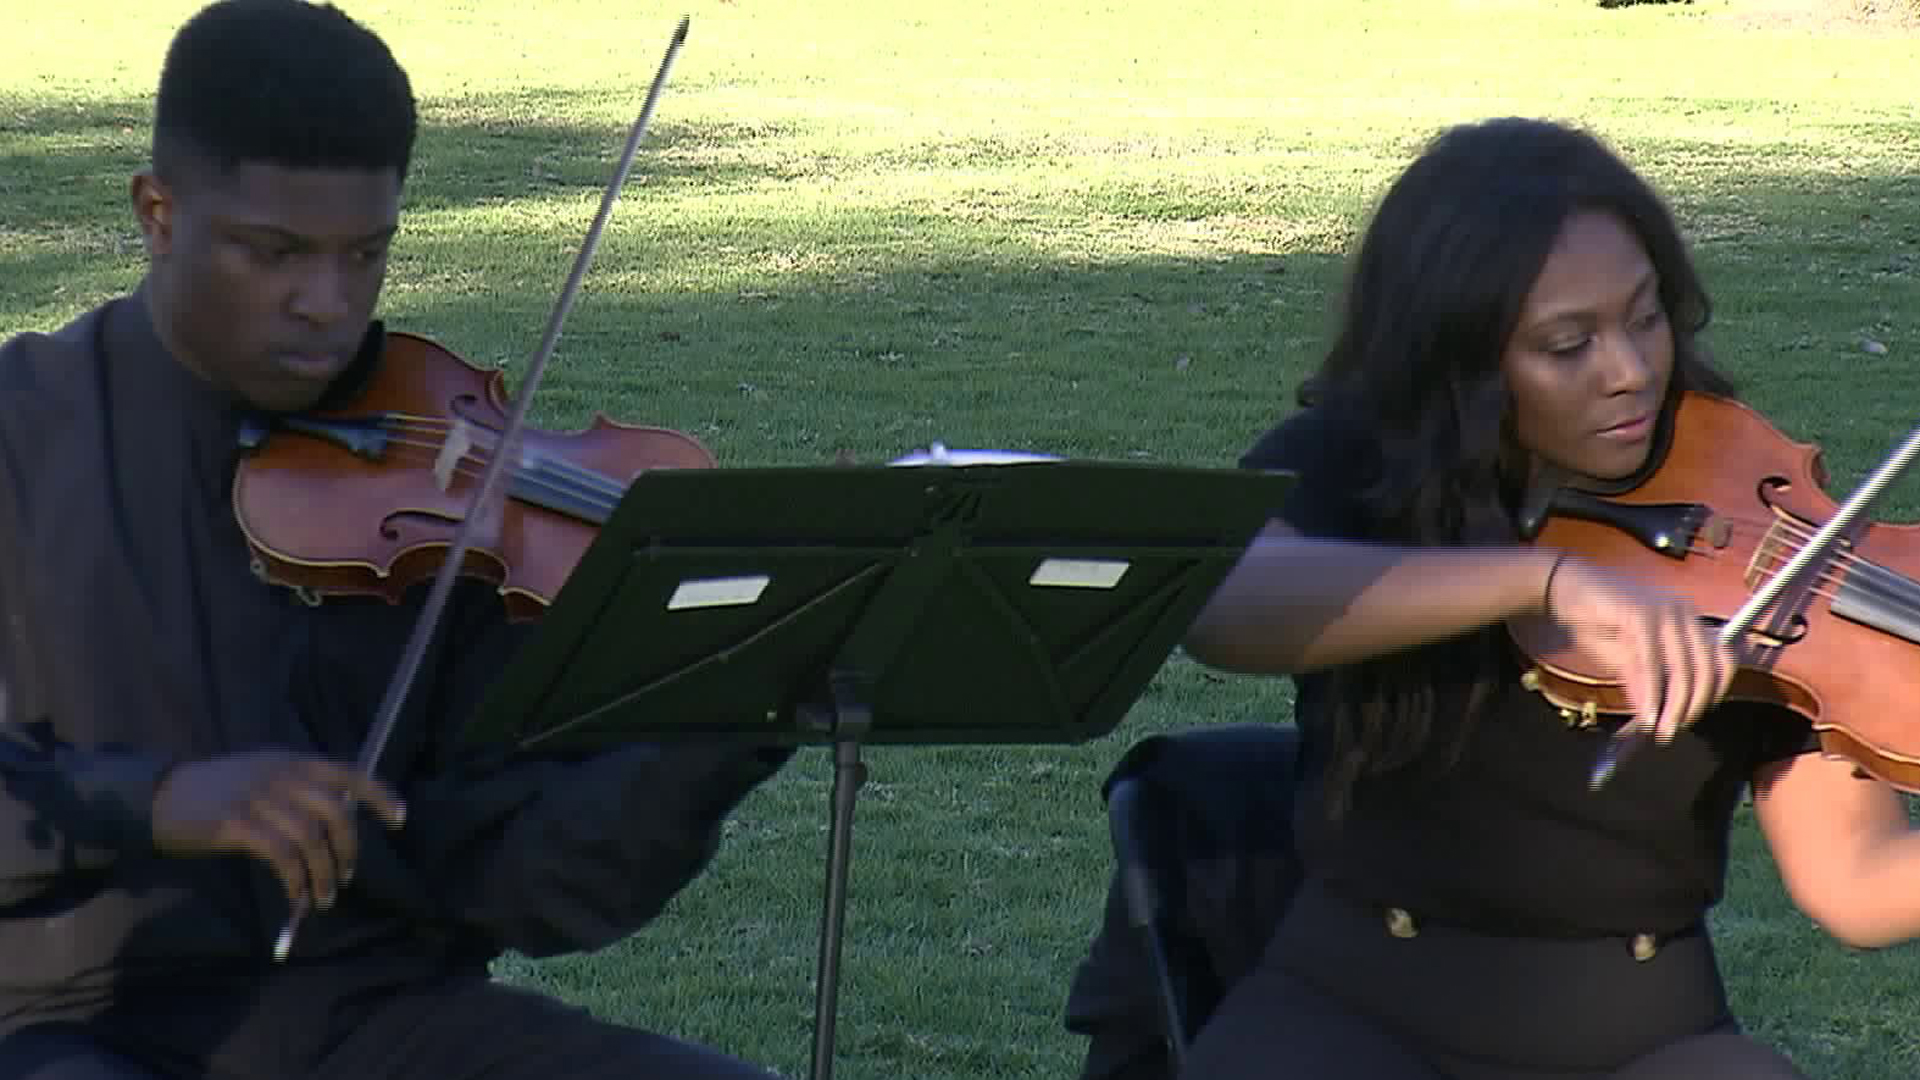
[(485, 506), (1633, 735)]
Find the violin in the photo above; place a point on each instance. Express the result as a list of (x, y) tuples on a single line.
[(365, 499), (1821, 606)]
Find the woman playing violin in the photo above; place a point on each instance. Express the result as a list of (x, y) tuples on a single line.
[(176, 735), (1521, 310)]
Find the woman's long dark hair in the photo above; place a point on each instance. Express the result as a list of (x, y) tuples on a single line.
[(1433, 294)]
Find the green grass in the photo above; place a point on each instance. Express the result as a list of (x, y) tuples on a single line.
[(1094, 228)]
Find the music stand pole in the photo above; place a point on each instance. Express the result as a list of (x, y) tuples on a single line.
[(851, 724)]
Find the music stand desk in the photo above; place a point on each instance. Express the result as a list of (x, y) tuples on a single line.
[(1014, 603)]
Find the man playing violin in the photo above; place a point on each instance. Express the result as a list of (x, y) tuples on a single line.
[(1522, 307), (176, 734)]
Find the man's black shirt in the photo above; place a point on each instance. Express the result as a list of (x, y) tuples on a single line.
[(137, 635)]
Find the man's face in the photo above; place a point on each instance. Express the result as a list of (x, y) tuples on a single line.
[(264, 280)]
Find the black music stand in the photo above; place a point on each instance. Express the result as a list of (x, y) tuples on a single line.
[(1017, 603)]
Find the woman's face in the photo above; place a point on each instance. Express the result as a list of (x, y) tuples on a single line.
[(1589, 360)]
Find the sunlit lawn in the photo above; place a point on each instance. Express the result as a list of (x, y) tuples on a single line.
[(1101, 229)]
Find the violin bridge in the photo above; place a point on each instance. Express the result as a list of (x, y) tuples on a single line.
[(452, 451)]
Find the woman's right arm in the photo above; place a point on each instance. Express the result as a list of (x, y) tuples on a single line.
[(1297, 604)]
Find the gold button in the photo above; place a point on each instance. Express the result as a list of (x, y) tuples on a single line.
[(1400, 923), (1644, 947)]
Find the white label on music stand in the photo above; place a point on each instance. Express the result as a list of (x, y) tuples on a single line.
[(1079, 573), (718, 592)]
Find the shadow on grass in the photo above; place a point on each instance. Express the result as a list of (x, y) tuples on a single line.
[(783, 339), (1148, 359), (781, 335), (470, 150), (987, 341)]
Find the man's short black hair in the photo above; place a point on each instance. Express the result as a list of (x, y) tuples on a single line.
[(281, 82)]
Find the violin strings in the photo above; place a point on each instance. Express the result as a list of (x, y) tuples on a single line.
[(560, 470), (1768, 559), (1877, 585), (541, 479), (442, 427), (567, 469), (595, 491), (1795, 532), (1873, 583), (1824, 587)]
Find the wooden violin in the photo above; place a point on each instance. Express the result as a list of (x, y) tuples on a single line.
[(1821, 605), (365, 499)]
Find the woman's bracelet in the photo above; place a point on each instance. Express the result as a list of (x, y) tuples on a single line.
[(1546, 594)]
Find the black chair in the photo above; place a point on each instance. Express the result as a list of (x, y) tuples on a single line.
[(1204, 866)]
